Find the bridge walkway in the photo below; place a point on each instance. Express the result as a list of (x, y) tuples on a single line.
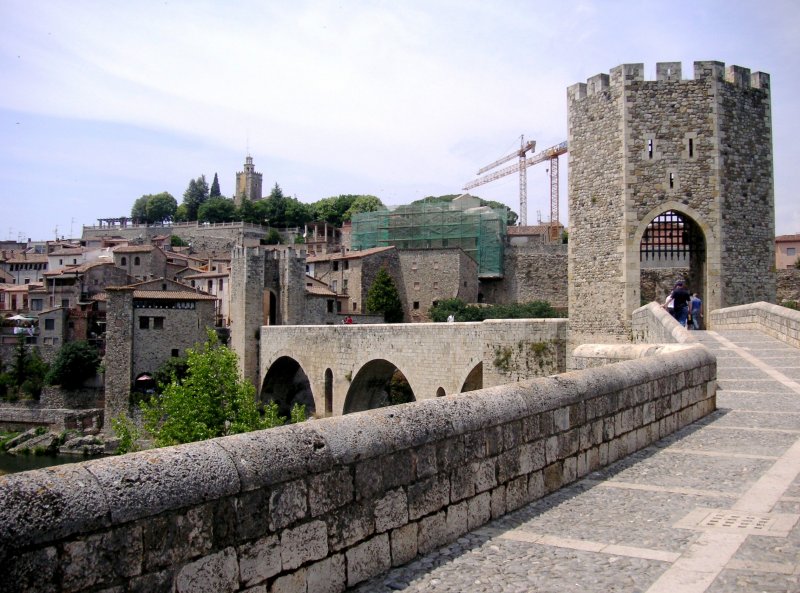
[(713, 508)]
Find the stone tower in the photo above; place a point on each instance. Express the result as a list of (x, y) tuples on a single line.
[(248, 183), (267, 288), (693, 156)]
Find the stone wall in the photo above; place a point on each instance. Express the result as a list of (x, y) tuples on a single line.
[(326, 504), (430, 276), (532, 272), (652, 324), (779, 322), (788, 285)]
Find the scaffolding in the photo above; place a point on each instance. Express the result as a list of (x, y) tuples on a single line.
[(480, 232)]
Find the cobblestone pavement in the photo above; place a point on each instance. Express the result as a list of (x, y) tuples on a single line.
[(711, 508)]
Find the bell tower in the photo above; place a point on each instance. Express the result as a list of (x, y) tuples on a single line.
[(248, 183)]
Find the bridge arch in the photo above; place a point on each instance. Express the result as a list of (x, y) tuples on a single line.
[(286, 384), (379, 383), (474, 379)]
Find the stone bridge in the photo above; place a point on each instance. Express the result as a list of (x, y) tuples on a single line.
[(340, 369)]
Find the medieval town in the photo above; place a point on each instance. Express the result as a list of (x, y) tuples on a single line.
[(258, 394)]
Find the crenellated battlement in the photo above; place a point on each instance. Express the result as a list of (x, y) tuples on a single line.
[(669, 72)]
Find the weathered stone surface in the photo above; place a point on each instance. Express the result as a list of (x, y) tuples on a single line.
[(428, 496), (287, 504), (142, 484), (48, 504), (368, 559), (432, 532), (391, 511), (351, 524), (102, 558), (30, 571), (404, 544), (290, 583), (216, 573), (171, 539), (303, 543), (259, 560), (327, 576), (479, 510), (330, 490)]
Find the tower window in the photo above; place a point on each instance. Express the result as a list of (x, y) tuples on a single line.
[(691, 147), (650, 148), (672, 180)]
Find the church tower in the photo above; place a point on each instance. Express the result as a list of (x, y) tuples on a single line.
[(248, 183)]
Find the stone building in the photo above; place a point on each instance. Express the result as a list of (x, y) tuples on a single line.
[(433, 275), (142, 262), (248, 183), (646, 154), (25, 267), (146, 325)]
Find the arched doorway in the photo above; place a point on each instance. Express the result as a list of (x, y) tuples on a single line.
[(378, 384), (474, 380), (287, 384), (672, 247), (328, 392)]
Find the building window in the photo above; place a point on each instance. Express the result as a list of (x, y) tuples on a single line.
[(435, 265), (413, 265), (416, 285), (136, 261), (50, 324), (346, 265), (210, 285), (74, 260), (791, 250), (175, 353), (416, 304), (336, 266), (36, 304), (158, 323), (344, 285), (334, 285), (355, 306), (60, 262), (330, 305), (338, 306), (65, 303), (221, 284), (435, 286), (124, 261), (144, 323)]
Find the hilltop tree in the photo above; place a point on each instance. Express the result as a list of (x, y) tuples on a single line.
[(154, 208), (194, 196), (383, 297), (214, 191), (217, 209)]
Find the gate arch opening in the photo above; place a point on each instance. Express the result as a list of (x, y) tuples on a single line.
[(672, 247), (328, 392), (287, 384), (378, 384), (474, 380)]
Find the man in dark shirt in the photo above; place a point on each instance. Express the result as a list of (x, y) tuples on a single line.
[(680, 298)]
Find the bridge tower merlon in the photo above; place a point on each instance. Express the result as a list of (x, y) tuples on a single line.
[(247, 308), (639, 148)]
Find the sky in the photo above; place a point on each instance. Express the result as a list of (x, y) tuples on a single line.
[(102, 102)]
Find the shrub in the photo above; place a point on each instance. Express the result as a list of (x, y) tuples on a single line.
[(75, 363)]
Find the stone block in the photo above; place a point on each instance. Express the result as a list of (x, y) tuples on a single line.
[(403, 542), (432, 532), (290, 583), (329, 490), (30, 571), (494, 440), (536, 489), (568, 443), (327, 576), (245, 517), (479, 510), (144, 484), (350, 524), (154, 582), (457, 520), (216, 573), (449, 454), (508, 465), (485, 474), (303, 543), (498, 503), (425, 461), (368, 559), (397, 469), (42, 506), (171, 539), (553, 476), (101, 558), (259, 560), (369, 478), (561, 419), (391, 511), (570, 469), (475, 445), (287, 504), (512, 435), (551, 449), (462, 482), (428, 496), (517, 493)]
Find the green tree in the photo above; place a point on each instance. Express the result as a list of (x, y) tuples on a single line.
[(248, 213), (217, 210), (75, 363), (382, 297), (296, 213), (161, 207), (194, 196), (463, 312), (797, 263), (333, 210), (139, 209), (214, 191), (363, 204), (210, 401), (273, 238), (25, 374)]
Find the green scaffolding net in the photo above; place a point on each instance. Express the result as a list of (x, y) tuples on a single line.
[(480, 232)]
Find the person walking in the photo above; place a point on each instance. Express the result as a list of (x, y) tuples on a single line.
[(679, 298), (696, 309)]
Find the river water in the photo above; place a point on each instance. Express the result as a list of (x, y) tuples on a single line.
[(10, 464)]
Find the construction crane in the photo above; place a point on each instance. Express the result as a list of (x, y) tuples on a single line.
[(550, 154)]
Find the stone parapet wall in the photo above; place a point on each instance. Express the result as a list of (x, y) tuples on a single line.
[(326, 504), (598, 355), (25, 415), (779, 322), (652, 324)]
